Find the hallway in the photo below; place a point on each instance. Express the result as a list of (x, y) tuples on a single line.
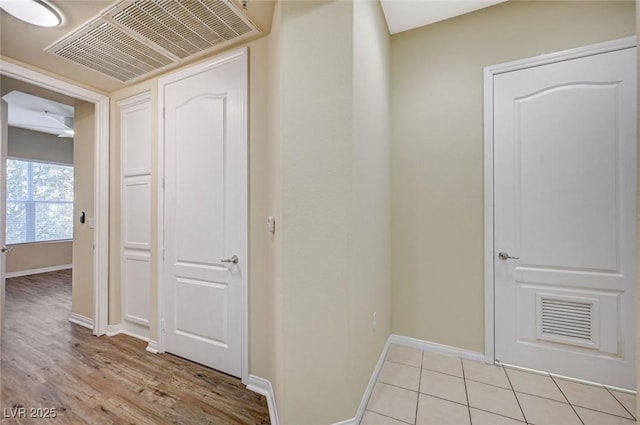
[(50, 363)]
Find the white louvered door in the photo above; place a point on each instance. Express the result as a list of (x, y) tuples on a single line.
[(565, 188)]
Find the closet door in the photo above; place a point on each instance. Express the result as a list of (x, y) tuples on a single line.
[(135, 162)]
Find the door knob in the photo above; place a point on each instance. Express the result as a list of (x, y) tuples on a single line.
[(233, 260), (505, 256), (5, 249)]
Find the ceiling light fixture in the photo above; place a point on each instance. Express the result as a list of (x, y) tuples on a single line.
[(35, 12)]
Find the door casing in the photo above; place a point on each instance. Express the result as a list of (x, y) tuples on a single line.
[(243, 53), (101, 179), (489, 246)]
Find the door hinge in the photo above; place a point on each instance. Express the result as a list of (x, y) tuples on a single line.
[(163, 183), (164, 251), (162, 324), (163, 113)]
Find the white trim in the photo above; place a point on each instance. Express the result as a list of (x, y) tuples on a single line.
[(489, 73), (152, 347), (137, 99), (372, 383), (81, 320), (569, 378), (101, 179), (412, 343), (114, 330), (351, 421), (160, 223), (37, 271), (264, 387), (244, 53), (434, 347), (244, 351)]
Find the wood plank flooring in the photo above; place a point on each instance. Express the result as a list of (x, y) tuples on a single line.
[(47, 362)]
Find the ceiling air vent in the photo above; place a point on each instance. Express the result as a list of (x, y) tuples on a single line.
[(132, 39)]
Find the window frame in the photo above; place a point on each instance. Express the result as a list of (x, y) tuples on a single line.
[(30, 204)]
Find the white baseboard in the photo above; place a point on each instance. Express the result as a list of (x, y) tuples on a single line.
[(152, 347), (263, 386), (413, 343), (370, 385), (37, 271), (351, 421), (436, 348), (114, 330), (81, 320)]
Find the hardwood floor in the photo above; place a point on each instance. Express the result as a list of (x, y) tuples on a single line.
[(47, 362)]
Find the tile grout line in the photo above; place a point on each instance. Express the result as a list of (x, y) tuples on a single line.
[(400, 387), (500, 414), (466, 393), (419, 382), (565, 396), (623, 406), (390, 417), (606, 413), (515, 394), (542, 397), (401, 363)]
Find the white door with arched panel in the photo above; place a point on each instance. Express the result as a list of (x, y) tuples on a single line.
[(564, 211), (204, 214)]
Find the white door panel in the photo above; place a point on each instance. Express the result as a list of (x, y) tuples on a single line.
[(564, 190), (204, 210)]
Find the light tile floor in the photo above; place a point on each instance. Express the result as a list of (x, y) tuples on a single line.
[(423, 388)]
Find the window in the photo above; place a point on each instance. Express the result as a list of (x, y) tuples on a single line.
[(39, 201)]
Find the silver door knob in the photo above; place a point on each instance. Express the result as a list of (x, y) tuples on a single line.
[(233, 260), (505, 256), (5, 249)]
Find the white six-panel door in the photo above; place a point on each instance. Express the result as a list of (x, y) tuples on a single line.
[(564, 182), (205, 212)]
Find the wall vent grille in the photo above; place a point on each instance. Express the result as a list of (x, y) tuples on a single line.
[(567, 319), (132, 39)]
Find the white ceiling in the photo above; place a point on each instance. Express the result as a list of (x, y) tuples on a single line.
[(38, 114), (403, 15)]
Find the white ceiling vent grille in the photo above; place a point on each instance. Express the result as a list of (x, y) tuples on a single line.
[(107, 49), (567, 321), (132, 39)]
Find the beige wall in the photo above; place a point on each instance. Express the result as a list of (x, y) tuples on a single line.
[(638, 224), (83, 157), (31, 256), (437, 154), (37, 146), (319, 163), (370, 286), (333, 262)]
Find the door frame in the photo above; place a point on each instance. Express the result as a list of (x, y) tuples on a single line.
[(243, 54), (489, 246), (101, 178)]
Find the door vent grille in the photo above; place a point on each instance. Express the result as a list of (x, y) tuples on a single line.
[(567, 320), (132, 39)]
